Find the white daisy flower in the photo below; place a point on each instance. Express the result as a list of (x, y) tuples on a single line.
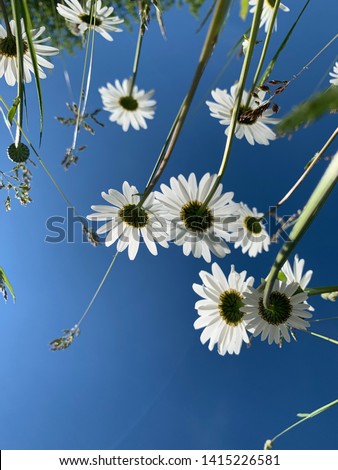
[(334, 74), (219, 312), (198, 231), (126, 221), (267, 12), (8, 54), (287, 310), (249, 232), (296, 274), (80, 19), (252, 120), (128, 108)]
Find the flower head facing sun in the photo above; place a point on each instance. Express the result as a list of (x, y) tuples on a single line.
[(267, 12), (8, 53), (220, 309), (92, 16), (252, 119), (200, 229), (287, 309), (127, 222), (248, 231), (128, 109)]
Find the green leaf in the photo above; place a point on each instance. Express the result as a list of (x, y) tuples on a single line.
[(5, 279), (310, 110), (244, 9), (12, 111)]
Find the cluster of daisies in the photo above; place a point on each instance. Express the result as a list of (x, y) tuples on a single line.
[(179, 214), (231, 309)]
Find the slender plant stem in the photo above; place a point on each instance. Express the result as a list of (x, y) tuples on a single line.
[(317, 320), (264, 51), (308, 416), (236, 109), (19, 65), (309, 167), (221, 9), (83, 97), (306, 66), (321, 290), (310, 211), (97, 290), (317, 335), (4, 12), (137, 58)]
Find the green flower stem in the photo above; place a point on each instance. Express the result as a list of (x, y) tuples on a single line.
[(308, 168), (4, 13), (320, 290), (137, 58), (308, 416), (97, 290), (317, 335), (235, 111), (221, 9), (323, 319), (19, 64), (273, 61), (310, 211), (265, 49), (84, 94)]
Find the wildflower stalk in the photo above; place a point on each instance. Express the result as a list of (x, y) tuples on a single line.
[(320, 290), (308, 168), (236, 109), (270, 442), (84, 93), (221, 9), (264, 51), (19, 64), (317, 335), (310, 211)]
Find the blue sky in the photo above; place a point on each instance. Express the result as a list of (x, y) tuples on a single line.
[(138, 376)]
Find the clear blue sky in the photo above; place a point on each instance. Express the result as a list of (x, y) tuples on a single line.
[(138, 376)]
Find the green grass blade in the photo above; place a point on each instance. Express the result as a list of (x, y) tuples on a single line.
[(20, 53), (5, 279), (28, 27), (310, 110)]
